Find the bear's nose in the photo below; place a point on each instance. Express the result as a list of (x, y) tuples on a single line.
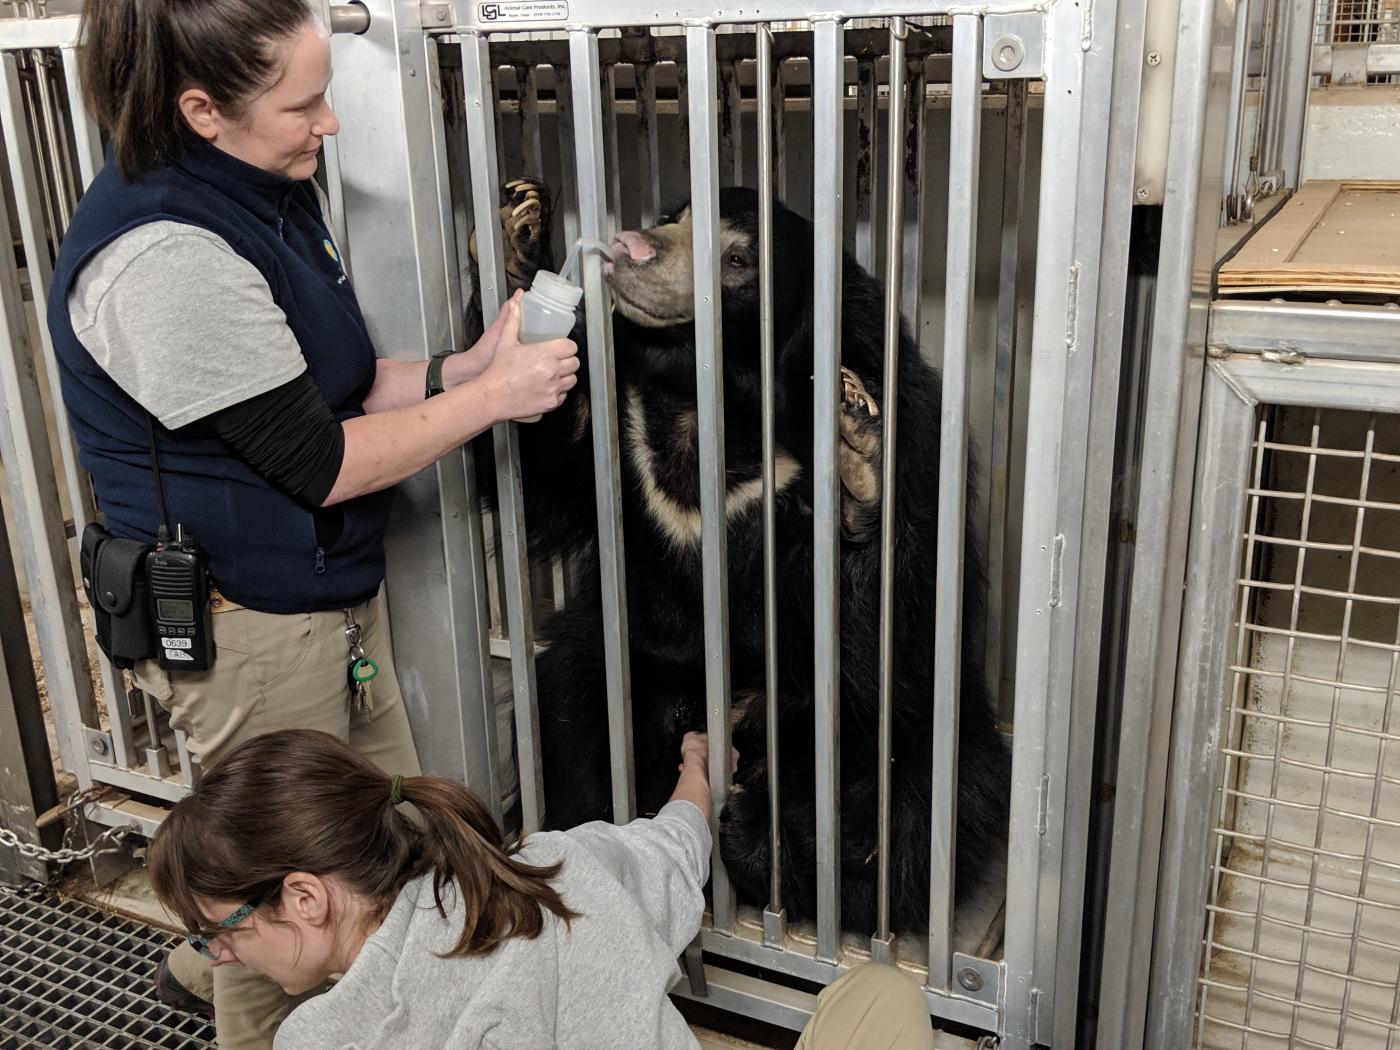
[(634, 244)]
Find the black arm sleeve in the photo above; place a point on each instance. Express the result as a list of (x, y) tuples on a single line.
[(289, 436)]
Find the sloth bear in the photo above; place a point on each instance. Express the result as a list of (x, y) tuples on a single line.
[(650, 281)]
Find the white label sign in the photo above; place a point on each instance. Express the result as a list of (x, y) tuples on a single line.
[(524, 11), (177, 643)]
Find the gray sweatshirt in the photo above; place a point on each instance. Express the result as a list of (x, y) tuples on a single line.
[(600, 983)]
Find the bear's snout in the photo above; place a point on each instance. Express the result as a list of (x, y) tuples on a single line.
[(634, 245)]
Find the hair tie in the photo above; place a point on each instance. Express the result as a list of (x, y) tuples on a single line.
[(396, 790)]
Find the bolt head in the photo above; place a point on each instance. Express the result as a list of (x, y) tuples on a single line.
[(98, 746), (1008, 52), (1154, 58), (970, 979), (1142, 193)]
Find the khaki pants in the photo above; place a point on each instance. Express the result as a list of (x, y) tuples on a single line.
[(872, 1007), (274, 672)]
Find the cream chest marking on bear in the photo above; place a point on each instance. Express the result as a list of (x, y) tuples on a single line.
[(680, 523)]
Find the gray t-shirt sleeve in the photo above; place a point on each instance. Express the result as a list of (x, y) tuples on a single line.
[(663, 862), (181, 322)]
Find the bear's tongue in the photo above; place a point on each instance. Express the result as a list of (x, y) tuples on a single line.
[(636, 246)]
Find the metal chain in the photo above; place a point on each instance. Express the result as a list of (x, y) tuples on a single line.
[(110, 841)]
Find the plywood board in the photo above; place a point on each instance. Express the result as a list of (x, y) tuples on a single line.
[(1332, 237)]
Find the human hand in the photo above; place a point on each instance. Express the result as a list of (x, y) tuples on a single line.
[(525, 379), (481, 353), (695, 750)]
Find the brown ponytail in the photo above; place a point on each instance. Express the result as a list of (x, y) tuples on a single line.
[(138, 56), (300, 800)]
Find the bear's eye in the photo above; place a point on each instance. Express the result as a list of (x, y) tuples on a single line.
[(736, 260)]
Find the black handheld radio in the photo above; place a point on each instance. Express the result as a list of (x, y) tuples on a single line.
[(177, 576), (179, 583)]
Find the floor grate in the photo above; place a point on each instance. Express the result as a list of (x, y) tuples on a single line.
[(74, 978)]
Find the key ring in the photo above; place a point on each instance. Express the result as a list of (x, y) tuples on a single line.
[(364, 670)]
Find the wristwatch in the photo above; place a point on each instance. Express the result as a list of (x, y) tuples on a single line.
[(435, 364)]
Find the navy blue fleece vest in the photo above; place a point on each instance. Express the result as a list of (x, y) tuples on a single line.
[(262, 545)]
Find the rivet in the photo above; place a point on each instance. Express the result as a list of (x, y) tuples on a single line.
[(99, 746), (970, 979)]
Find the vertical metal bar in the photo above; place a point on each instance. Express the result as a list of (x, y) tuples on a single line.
[(774, 918), (778, 105), (182, 751), (1234, 130), (157, 758), (65, 193), (602, 388), (29, 95), (882, 943), (612, 172), (731, 161), (531, 148), (709, 383), (564, 127), (963, 149), (27, 786), (85, 130), (1218, 511), (867, 146), (1235, 706), (476, 727), (915, 148), (500, 140), (683, 112), (30, 476), (828, 91), (1003, 383), (477, 76), (648, 143)]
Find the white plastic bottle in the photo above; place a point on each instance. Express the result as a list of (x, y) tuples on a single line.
[(547, 309)]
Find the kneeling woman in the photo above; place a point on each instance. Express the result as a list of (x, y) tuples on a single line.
[(295, 861)]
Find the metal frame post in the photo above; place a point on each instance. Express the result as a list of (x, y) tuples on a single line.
[(1190, 218), (395, 183)]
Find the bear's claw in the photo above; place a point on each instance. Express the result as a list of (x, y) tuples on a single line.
[(859, 459)]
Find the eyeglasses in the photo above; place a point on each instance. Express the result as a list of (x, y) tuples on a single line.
[(200, 942)]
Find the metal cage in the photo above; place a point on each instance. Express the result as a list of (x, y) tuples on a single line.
[(1281, 778)]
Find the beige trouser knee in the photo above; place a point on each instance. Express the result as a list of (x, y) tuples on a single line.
[(873, 1007), (277, 672)]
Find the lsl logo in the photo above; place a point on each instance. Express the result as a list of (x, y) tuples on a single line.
[(490, 12)]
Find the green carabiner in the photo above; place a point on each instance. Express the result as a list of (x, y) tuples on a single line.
[(364, 670)]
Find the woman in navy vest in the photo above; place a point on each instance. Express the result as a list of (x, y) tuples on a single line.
[(199, 297)]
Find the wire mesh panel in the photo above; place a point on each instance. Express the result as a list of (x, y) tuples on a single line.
[(1358, 21), (1302, 944)]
